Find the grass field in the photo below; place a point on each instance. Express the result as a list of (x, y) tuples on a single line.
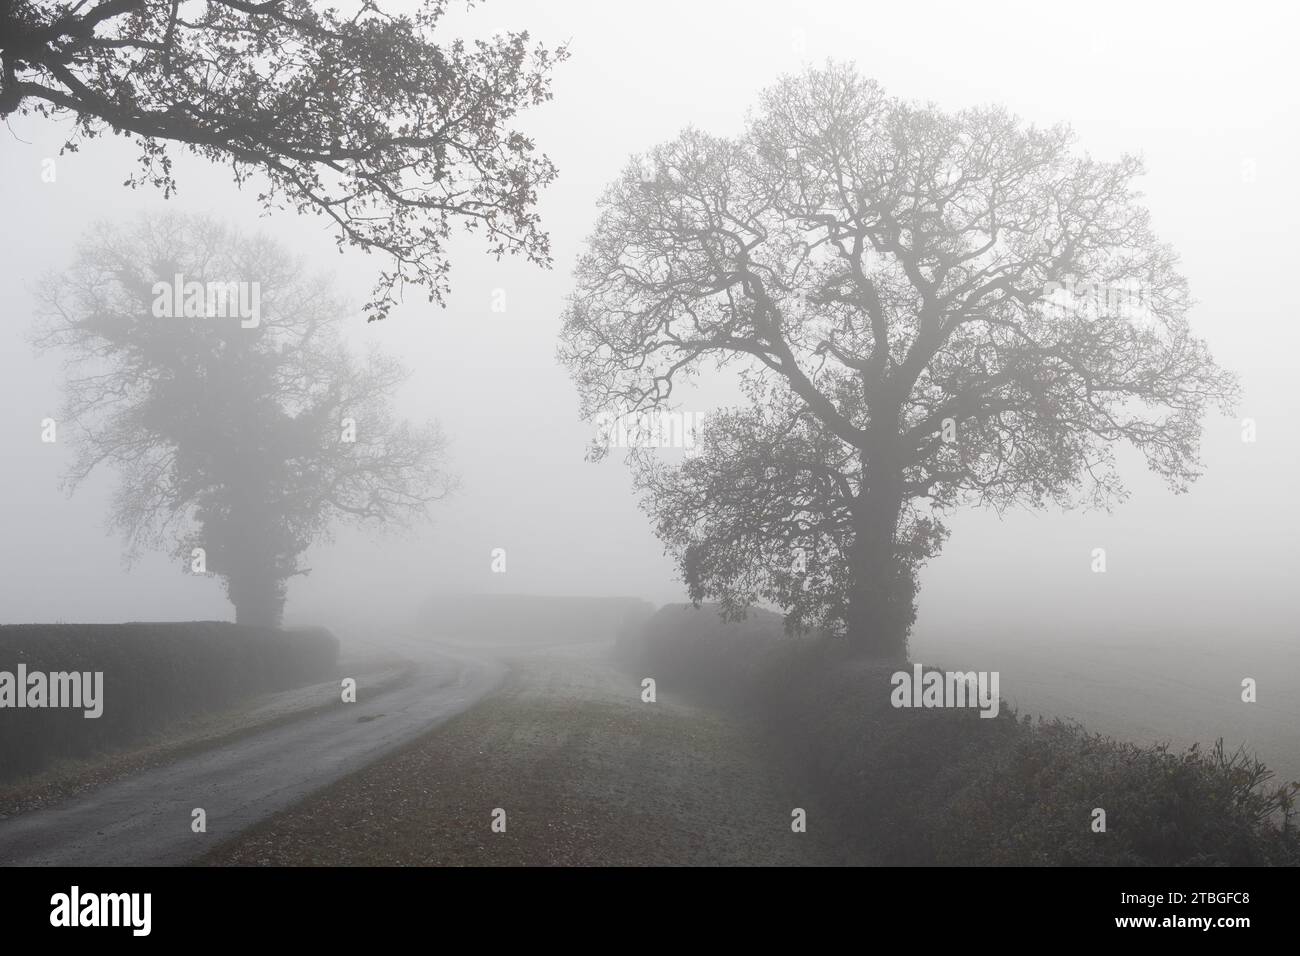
[(1181, 689)]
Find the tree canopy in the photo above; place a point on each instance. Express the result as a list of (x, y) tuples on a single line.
[(924, 310), (250, 441), (360, 118)]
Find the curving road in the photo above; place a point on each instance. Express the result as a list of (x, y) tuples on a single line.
[(145, 819)]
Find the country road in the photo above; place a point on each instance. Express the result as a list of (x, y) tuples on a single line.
[(145, 819)]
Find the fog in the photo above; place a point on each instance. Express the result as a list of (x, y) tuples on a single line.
[(1208, 100)]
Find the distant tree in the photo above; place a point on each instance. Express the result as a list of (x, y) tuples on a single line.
[(248, 440), (924, 310), (360, 118)]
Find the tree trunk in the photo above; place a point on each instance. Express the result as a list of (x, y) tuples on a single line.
[(880, 609), (258, 598)]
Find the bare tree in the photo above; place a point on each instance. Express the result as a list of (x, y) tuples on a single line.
[(362, 119), (249, 440), (925, 310)]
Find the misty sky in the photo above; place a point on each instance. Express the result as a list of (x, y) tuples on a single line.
[(1208, 100)]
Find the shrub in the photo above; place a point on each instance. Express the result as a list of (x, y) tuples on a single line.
[(945, 786), (153, 674), (1024, 803)]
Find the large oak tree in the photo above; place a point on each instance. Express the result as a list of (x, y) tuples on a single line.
[(250, 441), (361, 118), (924, 309)]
